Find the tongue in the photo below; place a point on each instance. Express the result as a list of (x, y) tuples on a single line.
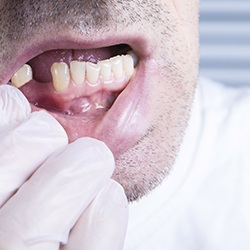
[(42, 63)]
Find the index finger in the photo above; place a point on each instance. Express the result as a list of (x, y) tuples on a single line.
[(27, 139)]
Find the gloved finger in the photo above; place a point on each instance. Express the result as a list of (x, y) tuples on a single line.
[(16, 244), (26, 140), (48, 205), (13, 245), (14, 107), (104, 223), (25, 147)]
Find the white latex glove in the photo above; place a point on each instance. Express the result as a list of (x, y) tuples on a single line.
[(71, 190), (26, 140)]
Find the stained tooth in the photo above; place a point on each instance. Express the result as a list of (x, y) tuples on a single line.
[(77, 70), (105, 70), (128, 65), (93, 71), (22, 76), (117, 67), (60, 75)]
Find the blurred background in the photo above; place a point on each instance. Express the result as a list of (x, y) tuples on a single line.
[(225, 41)]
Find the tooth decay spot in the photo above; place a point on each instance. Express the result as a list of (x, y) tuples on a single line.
[(22, 76), (115, 68)]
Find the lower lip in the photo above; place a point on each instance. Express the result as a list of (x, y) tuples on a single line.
[(121, 126)]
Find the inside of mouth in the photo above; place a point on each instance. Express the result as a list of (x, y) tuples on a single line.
[(89, 106), (42, 96), (42, 63)]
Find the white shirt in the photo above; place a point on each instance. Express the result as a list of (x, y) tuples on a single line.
[(204, 203)]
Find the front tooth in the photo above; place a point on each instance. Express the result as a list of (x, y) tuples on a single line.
[(60, 75), (77, 70), (92, 74), (117, 68), (128, 65), (105, 70), (22, 76)]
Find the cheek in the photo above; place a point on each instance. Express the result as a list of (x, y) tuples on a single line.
[(185, 10), (188, 16), (172, 76), (143, 167), (184, 23)]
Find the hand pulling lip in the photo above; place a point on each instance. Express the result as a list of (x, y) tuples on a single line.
[(119, 127)]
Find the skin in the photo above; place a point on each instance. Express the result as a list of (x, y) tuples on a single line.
[(170, 28)]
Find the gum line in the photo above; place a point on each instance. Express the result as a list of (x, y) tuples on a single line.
[(115, 69)]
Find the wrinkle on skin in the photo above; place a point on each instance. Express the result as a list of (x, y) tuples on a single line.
[(174, 37)]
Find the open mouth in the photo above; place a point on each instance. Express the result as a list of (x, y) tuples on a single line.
[(76, 82), (90, 92)]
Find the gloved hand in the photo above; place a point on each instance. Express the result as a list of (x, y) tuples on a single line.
[(69, 199)]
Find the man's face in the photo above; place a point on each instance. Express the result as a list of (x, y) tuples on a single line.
[(139, 113)]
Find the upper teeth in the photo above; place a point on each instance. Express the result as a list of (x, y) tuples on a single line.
[(114, 69)]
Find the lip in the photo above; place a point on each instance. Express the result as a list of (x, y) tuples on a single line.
[(126, 121), (137, 43)]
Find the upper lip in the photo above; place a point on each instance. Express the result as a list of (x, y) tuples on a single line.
[(137, 43), (120, 128)]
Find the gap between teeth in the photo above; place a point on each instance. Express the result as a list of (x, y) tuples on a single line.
[(115, 68)]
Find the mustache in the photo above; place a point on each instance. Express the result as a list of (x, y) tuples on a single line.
[(18, 18)]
